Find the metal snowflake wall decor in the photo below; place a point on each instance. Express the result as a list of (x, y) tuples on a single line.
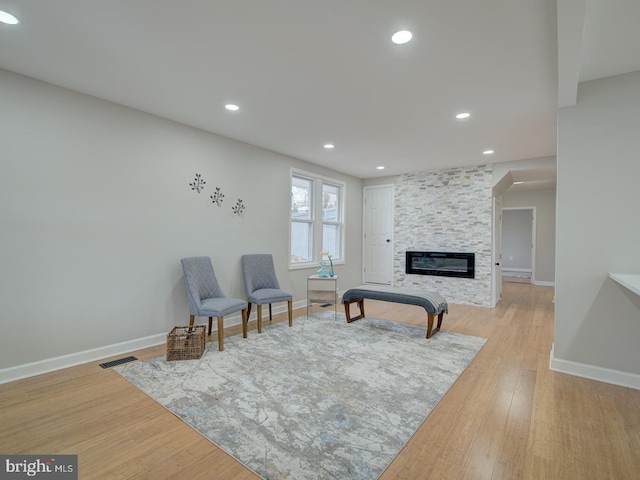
[(239, 208), (198, 183), (217, 197)]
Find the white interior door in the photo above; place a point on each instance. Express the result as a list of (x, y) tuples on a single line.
[(496, 291), (378, 234)]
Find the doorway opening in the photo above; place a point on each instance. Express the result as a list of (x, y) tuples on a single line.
[(518, 244)]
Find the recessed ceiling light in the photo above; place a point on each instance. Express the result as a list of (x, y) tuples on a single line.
[(403, 36), (487, 152), (329, 146), (463, 115), (380, 167), (6, 17), (232, 107)]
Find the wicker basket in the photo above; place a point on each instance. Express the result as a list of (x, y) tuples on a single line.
[(186, 343)]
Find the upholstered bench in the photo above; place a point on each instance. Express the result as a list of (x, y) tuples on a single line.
[(433, 303)]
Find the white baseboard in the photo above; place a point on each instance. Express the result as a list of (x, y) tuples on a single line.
[(71, 360), (544, 284), (32, 369), (514, 269), (592, 372)]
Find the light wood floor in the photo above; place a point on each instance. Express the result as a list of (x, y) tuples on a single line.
[(507, 416)]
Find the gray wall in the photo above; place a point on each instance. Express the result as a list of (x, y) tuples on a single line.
[(545, 203), (96, 211), (597, 322)]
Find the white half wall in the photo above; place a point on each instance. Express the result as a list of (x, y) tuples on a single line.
[(597, 322)]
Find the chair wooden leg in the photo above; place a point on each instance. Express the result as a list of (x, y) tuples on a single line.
[(191, 320), (259, 318), (248, 311), (290, 309), (270, 314), (220, 334), (210, 322), (245, 317)]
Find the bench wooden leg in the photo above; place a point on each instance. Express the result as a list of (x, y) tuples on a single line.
[(430, 319), (347, 310)]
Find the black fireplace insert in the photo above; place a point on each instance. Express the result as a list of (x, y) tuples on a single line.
[(444, 264)]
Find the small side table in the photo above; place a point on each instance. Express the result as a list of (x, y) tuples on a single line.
[(322, 290)]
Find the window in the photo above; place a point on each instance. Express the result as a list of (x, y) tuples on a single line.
[(301, 220), (331, 226), (317, 219)]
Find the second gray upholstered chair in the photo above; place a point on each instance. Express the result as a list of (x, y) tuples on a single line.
[(206, 298), (262, 285)]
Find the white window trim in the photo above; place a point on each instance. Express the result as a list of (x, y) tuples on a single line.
[(316, 217)]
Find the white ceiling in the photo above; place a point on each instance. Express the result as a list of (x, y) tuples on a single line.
[(308, 72)]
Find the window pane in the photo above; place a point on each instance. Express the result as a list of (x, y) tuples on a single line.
[(330, 203), (301, 198), (331, 240), (301, 242)]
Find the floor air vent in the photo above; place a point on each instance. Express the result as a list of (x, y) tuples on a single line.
[(120, 361)]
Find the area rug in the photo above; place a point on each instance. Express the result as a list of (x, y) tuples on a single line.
[(322, 399)]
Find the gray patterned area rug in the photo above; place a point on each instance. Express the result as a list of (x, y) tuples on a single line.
[(321, 400)]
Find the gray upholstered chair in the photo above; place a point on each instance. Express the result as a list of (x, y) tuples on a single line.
[(206, 298), (262, 285)]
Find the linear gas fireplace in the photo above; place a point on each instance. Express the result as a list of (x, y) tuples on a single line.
[(444, 264)]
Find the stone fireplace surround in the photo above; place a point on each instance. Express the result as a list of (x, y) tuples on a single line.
[(447, 211)]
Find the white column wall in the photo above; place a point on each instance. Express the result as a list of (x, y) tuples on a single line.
[(597, 322)]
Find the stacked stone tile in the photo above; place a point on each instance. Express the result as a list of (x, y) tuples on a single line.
[(446, 211)]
